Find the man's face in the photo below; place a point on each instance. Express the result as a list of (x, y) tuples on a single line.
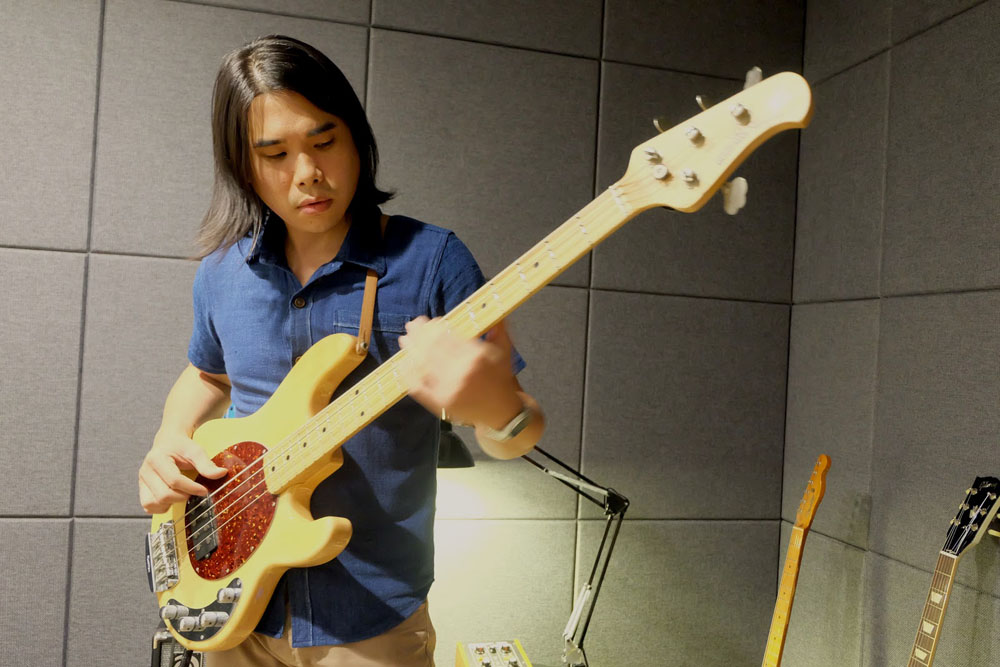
[(300, 153)]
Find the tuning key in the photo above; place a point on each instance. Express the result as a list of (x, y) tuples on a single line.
[(660, 123), (689, 176), (660, 172), (695, 135), (740, 113), (703, 101), (754, 76), (734, 195), (652, 154)]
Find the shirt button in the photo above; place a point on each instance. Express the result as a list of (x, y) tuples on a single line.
[(299, 302)]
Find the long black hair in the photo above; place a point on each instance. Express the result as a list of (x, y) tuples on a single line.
[(268, 64)]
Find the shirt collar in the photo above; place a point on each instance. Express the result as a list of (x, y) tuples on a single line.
[(362, 245)]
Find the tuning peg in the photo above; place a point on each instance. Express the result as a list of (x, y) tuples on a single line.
[(660, 123), (734, 195), (703, 101), (754, 76)]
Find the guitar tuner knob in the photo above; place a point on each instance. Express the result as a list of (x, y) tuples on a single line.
[(690, 176), (739, 112), (694, 134), (660, 172), (970, 491), (975, 527), (703, 101), (652, 154)]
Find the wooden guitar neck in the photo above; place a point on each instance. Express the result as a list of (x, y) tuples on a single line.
[(786, 595), (815, 491), (924, 646)]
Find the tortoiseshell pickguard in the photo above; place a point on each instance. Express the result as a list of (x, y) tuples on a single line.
[(243, 510)]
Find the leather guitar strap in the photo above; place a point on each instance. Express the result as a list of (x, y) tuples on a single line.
[(368, 304)]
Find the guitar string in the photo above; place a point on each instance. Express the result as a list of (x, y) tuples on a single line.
[(541, 249), (563, 241), (621, 186)]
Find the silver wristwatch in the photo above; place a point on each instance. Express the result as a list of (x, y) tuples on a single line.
[(513, 427)]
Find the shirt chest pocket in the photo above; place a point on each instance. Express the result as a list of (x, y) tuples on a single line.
[(386, 330)]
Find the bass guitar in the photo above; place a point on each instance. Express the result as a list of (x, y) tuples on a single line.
[(815, 490), (974, 517), (213, 562)]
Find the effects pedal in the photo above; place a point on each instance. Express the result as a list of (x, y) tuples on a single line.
[(492, 654)]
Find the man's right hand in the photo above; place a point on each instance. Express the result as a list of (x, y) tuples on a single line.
[(161, 482)]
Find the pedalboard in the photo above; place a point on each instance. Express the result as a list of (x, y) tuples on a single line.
[(507, 653)]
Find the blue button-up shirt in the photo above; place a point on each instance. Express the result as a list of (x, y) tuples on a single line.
[(253, 319)]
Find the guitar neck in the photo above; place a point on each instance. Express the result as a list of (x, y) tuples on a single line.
[(786, 595), (493, 302), (925, 644)]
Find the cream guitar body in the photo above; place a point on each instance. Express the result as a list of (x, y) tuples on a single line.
[(259, 534), (214, 562)]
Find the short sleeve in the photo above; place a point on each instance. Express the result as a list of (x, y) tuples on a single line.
[(205, 348), (457, 277)]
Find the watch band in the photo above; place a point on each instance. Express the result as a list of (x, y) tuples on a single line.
[(513, 427)]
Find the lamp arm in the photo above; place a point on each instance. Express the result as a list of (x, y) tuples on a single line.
[(615, 505)]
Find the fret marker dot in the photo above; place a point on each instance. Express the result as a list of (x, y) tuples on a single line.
[(536, 265)]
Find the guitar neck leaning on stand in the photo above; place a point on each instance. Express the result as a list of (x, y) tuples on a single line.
[(815, 491), (975, 515)]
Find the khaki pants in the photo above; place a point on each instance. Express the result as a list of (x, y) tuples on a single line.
[(409, 644)]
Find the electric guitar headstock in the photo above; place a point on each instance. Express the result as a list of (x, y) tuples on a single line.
[(975, 515), (814, 493), (682, 167)]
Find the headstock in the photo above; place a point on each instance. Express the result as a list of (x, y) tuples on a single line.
[(975, 515), (814, 493), (683, 166)]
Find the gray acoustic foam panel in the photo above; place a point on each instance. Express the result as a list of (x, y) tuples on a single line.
[(693, 593), (937, 426), (137, 332), (685, 404), (831, 410), (493, 142), (707, 253), (825, 628), (352, 11), (842, 33), (40, 337), (573, 28), (32, 617), (841, 186), (154, 152), (109, 583), (894, 601), (49, 55), (942, 208), (911, 16), (502, 580), (717, 37), (548, 331)]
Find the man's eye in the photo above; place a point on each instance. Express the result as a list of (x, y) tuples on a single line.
[(275, 156), (325, 144)]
